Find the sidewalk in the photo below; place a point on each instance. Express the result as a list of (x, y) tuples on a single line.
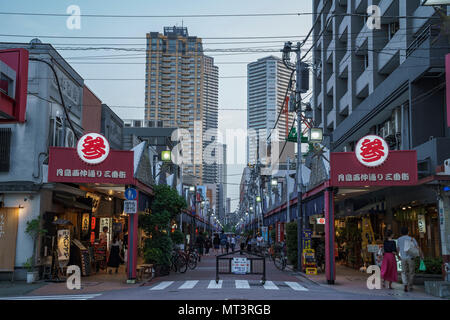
[(92, 284), (353, 281)]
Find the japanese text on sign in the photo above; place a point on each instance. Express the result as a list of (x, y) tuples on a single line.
[(373, 177), (91, 173), (130, 206), (240, 266)]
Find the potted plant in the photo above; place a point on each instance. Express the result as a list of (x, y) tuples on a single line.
[(34, 230), (31, 275)]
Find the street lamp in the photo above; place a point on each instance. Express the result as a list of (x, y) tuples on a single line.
[(274, 182), (166, 156), (258, 199), (315, 135), (191, 189)]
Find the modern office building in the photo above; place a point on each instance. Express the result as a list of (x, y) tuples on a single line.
[(181, 86), (222, 182), (267, 82)]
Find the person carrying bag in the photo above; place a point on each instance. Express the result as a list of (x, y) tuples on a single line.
[(409, 250)]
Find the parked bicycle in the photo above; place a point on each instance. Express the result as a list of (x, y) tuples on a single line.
[(178, 261), (279, 256)]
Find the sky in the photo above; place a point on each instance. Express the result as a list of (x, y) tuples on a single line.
[(130, 93)]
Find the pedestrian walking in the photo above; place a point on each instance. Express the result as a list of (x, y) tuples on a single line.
[(216, 243), (208, 244), (409, 250), (223, 242), (114, 254), (389, 264), (233, 243), (200, 243)]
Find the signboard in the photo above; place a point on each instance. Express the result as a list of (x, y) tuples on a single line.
[(85, 222), (63, 246), (399, 169), (93, 148), (311, 271), (106, 222), (265, 234), (372, 151), (421, 223), (130, 194), (373, 248), (240, 266), (130, 206), (279, 232), (320, 220), (307, 239), (65, 165), (9, 219), (309, 258), (13, 84)]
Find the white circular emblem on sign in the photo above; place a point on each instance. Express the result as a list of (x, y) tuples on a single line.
[(93, 148), (372, 151)]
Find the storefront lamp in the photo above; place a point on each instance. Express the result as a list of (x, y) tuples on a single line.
[(191, 189), (166, 156), (315, 135)]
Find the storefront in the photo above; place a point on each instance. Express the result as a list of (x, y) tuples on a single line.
[(93, 211)]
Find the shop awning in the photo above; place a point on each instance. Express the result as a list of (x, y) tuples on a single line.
[(70, 202)]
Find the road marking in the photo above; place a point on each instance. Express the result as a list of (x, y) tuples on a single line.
[(295, 286), (214, 285), (269, 285), (61, 297), (162, 285), (242, 284), (188, 284)]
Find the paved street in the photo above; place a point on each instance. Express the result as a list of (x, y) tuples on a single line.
[(200, 284)]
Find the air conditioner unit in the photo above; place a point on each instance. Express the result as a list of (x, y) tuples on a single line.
[(70, 139), (447, 166)]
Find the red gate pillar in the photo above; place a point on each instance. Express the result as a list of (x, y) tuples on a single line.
[(132, 243), (330, 265)]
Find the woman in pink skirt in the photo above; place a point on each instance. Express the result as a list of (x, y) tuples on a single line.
[(389, 265)]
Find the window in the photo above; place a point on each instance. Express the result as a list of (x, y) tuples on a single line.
[(392, 29)]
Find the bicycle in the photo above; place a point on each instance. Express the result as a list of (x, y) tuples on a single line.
[(279, 257), (192, 256), (178, 261)]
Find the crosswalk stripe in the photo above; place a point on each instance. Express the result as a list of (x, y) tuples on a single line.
[(214, 285), (61, 297), (269, 285), (162, 285), (242, 284), (188, 284), (295, 286)]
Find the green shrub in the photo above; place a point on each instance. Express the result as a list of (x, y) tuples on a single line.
[(177, 237), (433, 265), (291, 242)]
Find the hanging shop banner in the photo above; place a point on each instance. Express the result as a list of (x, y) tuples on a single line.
[(85, 223), (9, 220), (421, 223), (63, 245), (265, 234), (65, 165), (279, 232), (372, 164)]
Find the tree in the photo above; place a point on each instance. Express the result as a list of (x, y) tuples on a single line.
[(34, 230), (166, 205)]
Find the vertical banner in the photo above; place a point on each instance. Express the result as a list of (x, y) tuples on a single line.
[(447, 78), (9, 220), (85, 223), (63, 247)]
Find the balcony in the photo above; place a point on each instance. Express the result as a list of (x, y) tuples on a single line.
[(389, 57), (330, 84), (362, 84)]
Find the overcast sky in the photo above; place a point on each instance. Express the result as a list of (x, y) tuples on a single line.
[(232, 91)]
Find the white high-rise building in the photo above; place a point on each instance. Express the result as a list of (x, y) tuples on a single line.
[(267, 82)]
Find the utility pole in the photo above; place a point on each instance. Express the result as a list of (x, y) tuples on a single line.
[(288, 198), (302, 86)]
